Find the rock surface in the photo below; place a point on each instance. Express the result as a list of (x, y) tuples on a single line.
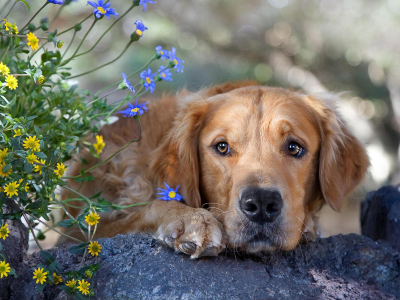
[(380, 215), (136, 267)]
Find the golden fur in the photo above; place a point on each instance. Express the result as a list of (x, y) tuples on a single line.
[(177, 147)]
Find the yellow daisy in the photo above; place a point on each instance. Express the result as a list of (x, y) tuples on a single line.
[(71, 283), (41, 79), (57, 279), (12, 82), (14, 28), (7, 25), (4, 269), (83, 286), (60, 170), (94, 248), (39, 275), (32, 143), (26, 185), (4, 69), (99, 145), (31, 158), (4, 232), (92, 218), (17, 132), (11, 189), (33, 40), (38, 168)]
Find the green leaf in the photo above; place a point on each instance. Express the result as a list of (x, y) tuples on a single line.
[(26, 4), (40, 235), (12, 271), (41, 155), (78, 249), (41, 287), (48, 258), (1, 247), (66, 223)]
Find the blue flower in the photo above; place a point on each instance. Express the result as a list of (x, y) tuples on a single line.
[(140, 28), (59, 2), (169, 194), (148, 80), (101, 9), (144, 3), (127, 84), (133, 110), (163, 53), (165, 73), (177, 61)]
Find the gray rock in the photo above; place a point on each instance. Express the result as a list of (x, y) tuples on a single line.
[(380, 215), (136, 267)]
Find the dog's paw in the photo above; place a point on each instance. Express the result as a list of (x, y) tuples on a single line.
[(196, 233)]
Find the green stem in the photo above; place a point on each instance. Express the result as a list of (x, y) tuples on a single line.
[(57, 14), (69, 45), (102, 97), (102, 66), (70, 216), (88, 201), (43, 6), (80, 44), (33, 232), (5, 17), (8, 48), (108, 29)]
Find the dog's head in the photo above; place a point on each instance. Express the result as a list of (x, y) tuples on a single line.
[(263, 160)]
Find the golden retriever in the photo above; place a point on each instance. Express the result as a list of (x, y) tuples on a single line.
[(255, 164)]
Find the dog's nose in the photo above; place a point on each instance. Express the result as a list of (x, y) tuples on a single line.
[(261, 205)]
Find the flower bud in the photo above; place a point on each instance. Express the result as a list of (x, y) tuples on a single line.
[(31, 27), (44, 26), (60, 44), (87, 93), (78, 27), (44, 20), (88, 274), (171, 64), (135, 37), (62, 144), (40, 136), (30, 177)]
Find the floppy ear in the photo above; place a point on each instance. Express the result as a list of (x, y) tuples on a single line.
[(176, 159), (343, 161)]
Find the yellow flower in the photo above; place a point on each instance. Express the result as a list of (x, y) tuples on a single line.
[(33, 40), (60, 44), (31, 158), (83, 286), (57, 279), (11, 189), (38, 168), (2, 173), (4, 69), (17, 132), (94, 248), (14, 28), (7, 25), (60, 170), (100, 144), (4, 269), (39, 275), (71, 283), (3, 154), (32, 143), (12, 82), (41, 79), (4, 232), (92, 218)]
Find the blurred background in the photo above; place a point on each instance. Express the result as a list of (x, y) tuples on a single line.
[(312, 45)]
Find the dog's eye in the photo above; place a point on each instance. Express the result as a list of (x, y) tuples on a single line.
[(222, 148), (295, 149)]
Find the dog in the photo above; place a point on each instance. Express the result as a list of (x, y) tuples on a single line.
[(254, 165)]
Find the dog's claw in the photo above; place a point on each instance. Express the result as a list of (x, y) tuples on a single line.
[(169, 241), (188, 248), (211, 251)]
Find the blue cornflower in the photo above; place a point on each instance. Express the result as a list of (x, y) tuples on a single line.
[(163, 53), (101, 9), (169, 194), (133, 110), (126, 84), (140, 28), (165, 73), (177, 61), (59, 2), (144, 3), (148, 80)]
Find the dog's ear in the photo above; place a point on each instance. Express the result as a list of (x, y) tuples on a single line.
[(343, 161), (176, 159)]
